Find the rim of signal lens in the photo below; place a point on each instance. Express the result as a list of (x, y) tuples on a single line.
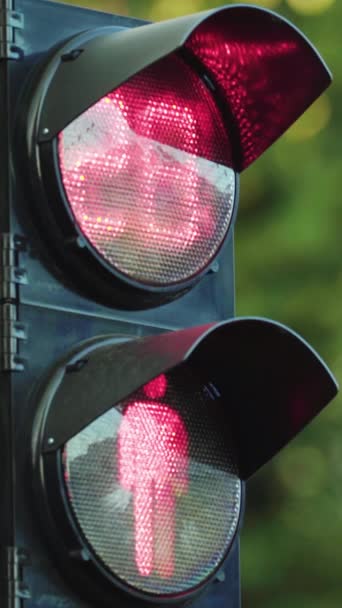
[(88, 268)]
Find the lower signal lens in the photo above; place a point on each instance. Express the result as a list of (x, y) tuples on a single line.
[(153, 486), (147, 177)]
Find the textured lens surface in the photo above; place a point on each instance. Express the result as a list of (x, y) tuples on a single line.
[(153, 485), (146, 175)]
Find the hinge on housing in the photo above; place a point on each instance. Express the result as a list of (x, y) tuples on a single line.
[(12, 276), (12, 587), (10, 21)]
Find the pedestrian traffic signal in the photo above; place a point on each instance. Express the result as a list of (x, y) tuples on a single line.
[(146, 481), (140, 405)]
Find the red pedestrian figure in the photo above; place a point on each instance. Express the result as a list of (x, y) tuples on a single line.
[(153, 465)]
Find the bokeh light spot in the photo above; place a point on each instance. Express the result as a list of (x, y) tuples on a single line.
[(264, 3), (310, 7), (314, 120), (303, 470), (163, 9)]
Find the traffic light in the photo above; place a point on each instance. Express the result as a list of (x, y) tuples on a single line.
[(134, 405)]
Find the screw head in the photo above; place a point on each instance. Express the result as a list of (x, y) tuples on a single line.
[(220, 576), (215, 267)]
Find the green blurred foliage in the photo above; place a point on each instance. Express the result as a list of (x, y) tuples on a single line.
[(289, 267)]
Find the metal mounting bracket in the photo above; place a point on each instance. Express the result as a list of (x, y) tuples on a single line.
[(12, 276), (10, 21), (12, 587)]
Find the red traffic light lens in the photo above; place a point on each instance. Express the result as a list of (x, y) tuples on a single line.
[(146, 172), (154, 488)]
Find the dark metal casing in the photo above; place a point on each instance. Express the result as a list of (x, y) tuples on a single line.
[(45, 315)]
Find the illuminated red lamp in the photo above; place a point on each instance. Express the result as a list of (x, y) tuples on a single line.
[(153, 465), (147, 173), (167, 500), (139, 161), (153, 460)]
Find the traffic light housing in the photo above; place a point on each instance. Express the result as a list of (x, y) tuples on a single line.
[(135, 405)]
